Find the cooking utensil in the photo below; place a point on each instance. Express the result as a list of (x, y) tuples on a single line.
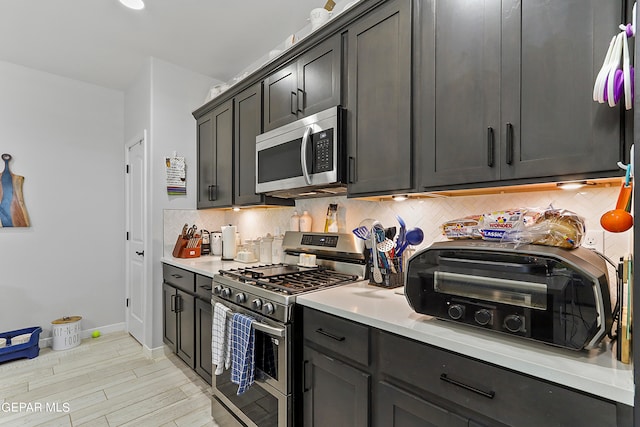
[(362, 232), (619, 219), (390, 233), (402, 232), (414, 236), (376, 273)]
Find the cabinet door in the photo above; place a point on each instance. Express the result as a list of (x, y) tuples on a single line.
[(552, 52), (397, 408), (319, 77), (169, 324), (215, 157), (204, 320), (335, 394), (248, 124), (185, 342), (281, 97), (459, 92), (379, 101)]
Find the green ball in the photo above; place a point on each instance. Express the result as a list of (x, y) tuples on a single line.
[(95, 334)]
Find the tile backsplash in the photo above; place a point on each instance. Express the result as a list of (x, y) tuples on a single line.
[(428, 214)]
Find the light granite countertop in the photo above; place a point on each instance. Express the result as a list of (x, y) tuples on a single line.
[(595, 371), (205, 265)]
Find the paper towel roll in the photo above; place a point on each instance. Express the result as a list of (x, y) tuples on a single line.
[(229, 241)]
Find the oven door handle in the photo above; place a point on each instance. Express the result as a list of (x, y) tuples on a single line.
[(269, 330), (303, 155)]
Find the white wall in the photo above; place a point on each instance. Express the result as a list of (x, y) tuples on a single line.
[(66, 138), (161, 100)]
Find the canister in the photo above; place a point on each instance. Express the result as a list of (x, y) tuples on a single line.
[(66, 332), (265, 249), (276, 250), (216, 243)]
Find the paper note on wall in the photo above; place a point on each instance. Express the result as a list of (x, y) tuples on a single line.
[(176, 176)]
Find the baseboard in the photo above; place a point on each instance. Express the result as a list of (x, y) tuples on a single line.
[(116, 327), (153, 353)]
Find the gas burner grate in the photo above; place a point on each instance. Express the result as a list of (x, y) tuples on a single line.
[(292, 282)]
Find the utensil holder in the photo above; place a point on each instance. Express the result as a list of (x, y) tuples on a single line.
[(389, 278)]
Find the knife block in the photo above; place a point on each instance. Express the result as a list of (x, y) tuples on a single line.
[(180, 250)]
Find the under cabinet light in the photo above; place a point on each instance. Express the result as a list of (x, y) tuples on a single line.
[(133, 4), (236, 209), (400, 198), (573, 185)]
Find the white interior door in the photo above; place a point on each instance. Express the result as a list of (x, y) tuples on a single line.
[(136, 223)]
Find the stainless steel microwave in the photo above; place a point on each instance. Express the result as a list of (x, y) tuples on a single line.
[(305, 158)]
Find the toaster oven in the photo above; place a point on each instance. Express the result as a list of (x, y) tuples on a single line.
[(548, 294)]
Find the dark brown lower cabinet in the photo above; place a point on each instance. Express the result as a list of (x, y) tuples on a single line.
[(204, 319), (178, 323), (397, 408), (355, 375), (335, 393)]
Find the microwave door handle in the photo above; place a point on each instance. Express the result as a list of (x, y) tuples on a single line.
[(303, 155)]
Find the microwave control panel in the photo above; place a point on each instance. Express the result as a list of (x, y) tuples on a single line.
[(323, 151)]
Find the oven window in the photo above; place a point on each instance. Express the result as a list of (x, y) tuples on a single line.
[(255, 403), (280, 162), (513, 292), (266, 355)]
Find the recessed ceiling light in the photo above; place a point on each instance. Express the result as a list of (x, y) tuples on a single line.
[(133, 4)]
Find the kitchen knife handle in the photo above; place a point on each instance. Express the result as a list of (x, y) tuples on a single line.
[(300, 100), (490, 146), (487, 394), (352, 170), (294, 106), (330, 335), (213, 193), (509, 143)]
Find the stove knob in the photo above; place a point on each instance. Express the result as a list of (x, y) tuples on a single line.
[(456, 311), (513, 323), (217, 290), (483, 316), (268, 308), (226, 292), (240, 298), (257, 304)]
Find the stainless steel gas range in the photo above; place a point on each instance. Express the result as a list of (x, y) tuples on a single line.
[(268, 293)]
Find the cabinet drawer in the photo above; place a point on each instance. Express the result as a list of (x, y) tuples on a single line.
[(505, 396), (179, 278), (203, 287), (341, 336)]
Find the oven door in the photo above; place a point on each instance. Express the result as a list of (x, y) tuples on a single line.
[(268, 401), (300, 154)]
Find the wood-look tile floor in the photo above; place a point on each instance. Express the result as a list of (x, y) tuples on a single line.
[(105, 381)]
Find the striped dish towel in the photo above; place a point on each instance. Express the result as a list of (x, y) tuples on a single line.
[(242, 351), (220, 348)]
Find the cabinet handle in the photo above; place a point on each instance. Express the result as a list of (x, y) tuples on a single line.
[(327, 334), (140, 253), (306, 377), (213, 193), (490, 146), (177, 276), (294, 106), (300, 100), (487, 394), (509, 143), (173, 303), (352, 170)]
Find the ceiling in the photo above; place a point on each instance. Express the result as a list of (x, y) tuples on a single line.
[(104, 43)]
